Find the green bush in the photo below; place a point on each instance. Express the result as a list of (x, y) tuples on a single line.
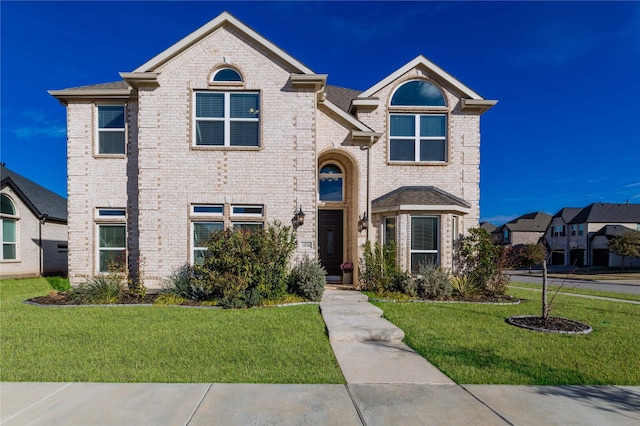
[(102, 289), (379, 271), (58, 283), (464, 287), (188, 283), (482, 260), (307, 279), (433, 282)]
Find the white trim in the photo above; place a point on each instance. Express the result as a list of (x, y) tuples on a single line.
[(417, 137), (99, 129), (226, 119), (100, 249), (202, 32), (357, 124), (420, 60), (423, 208), (192, 257), (207, 214), (438, 237), (340, 175), (255, 206)]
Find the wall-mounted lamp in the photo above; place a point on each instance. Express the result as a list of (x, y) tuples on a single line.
[(363, 222), (298, 218)]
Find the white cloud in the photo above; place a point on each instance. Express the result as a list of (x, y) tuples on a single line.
[(37, 124)]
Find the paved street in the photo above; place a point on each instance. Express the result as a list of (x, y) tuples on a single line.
[(626, 286)]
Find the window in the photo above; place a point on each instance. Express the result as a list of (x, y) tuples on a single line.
[(573, 230), (246, 210), (228, 119), (111, 212), (330, 183), (208, 209), (247, 226), (389, 230), (201, 233), (558, 231), (111, 129), (424, 241), (581, 229), (505, 235), (112, 247), (418, 137), (226, 74), (9, 229)]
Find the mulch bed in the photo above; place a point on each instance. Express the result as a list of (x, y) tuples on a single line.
[(61, 298), (550, 325)]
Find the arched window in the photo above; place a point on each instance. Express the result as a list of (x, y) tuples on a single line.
[(331, 183), (418, 93), (419, 136), (8, 231), (226, 74)]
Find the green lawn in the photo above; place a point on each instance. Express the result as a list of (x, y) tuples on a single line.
[(472, 344), (574, 290), (160, 344)]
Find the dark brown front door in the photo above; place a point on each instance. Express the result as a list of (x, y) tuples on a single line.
[(330, 223)]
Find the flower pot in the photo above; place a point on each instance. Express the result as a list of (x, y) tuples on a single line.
[(347, 278)]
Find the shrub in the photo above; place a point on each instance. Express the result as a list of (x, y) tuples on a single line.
[(186, 282), (379, 271), (59, 283), (482, 259), (433, 282), (168, 299), (103, 289), (465, 287), (237, 262), (307, 279)]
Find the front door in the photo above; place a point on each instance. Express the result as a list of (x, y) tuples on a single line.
[(330, 228)]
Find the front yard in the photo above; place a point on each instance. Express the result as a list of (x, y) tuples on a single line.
[(160, 344), (472, 344)]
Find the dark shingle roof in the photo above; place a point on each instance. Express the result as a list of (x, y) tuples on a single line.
[(608, 213), (114, 85), (341, 96), (38, 198), (567, 213), (418, 195), (488, 226), (613, 231), (530, 222)]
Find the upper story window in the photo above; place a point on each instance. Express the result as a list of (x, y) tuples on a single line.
[(418, 123), (111, 129), (227, 119), (226, 74), (505, 235), (330, 183), (558, 231), (9, 229)]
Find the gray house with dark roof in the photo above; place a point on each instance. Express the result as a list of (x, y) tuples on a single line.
[(526, 229), (580, 236), (34, 228)]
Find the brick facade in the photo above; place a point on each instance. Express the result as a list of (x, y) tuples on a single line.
[(163, 174)]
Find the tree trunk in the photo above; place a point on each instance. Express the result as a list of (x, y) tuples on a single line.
[(545, 304)]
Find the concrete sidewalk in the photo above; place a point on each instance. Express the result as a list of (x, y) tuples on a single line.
[(387, 384)]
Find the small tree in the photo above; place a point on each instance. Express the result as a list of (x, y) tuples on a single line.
[(532, 255), (626, 245), (482, 260)]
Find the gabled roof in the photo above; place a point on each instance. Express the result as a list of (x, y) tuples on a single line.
[(433, 68), (530, 222), (39, 199), (225, 18), (341, 96), (419, 198), (610, 231), (488, 226), (567, 213), (608, 213)]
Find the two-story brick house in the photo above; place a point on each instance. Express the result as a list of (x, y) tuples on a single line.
[(224, 129), (579, 236)]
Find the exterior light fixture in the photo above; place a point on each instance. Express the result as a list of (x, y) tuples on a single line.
[(363, 222), (298, 218)]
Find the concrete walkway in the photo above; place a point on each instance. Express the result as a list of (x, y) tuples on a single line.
[(387, 384)]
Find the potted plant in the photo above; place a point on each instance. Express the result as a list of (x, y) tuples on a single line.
[(347, 272)]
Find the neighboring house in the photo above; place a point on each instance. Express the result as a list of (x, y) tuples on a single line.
[(224, 129), (488, 226), (526, 229), (600, 248), (579, 236), (34, 228)]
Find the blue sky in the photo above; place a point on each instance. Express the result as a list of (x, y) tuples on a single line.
[(565, 133)]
